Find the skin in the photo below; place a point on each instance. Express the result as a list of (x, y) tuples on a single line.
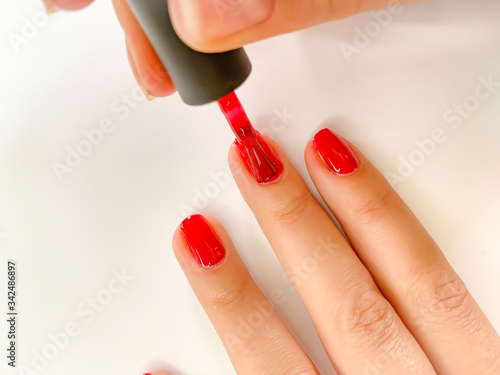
[(384, 295), (388, 293)]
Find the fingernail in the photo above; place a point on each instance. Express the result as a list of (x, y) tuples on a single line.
[(202, 20), (50, 6), (142, 86), (135, 71), (260, 159), (145, 90), (335, 153), (205, 246)]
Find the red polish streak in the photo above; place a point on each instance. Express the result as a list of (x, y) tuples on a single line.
[(205, 246), (257, 154)]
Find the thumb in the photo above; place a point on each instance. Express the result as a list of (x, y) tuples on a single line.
[(219, 25)]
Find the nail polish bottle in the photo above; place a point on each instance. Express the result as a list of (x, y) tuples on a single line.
[(199, 78)]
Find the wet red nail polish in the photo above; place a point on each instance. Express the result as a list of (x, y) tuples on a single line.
[(335, 153), (259, 157), (205, 246)]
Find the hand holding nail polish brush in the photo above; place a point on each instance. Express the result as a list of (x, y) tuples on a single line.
[(202, 78)]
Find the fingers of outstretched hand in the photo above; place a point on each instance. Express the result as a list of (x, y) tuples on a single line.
[(254, 336)]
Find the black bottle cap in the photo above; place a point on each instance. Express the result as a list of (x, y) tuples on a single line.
[(199, 78)]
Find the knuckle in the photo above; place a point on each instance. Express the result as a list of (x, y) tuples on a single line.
[(442, 297), (450, 292), (230, 298), (291, 209), (368, 314), (375, 205)]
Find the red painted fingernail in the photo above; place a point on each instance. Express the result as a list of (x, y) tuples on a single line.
[(147, 373), (335, 153), (205, 246), (259, 157)]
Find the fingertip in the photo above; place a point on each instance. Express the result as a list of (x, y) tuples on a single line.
[(215, 27), (162, 88), (67, 4), (311, 157), (148, 70), (177, 239), (234, 159), (335, 153), (181, 250), (178, 20), (271, 167), (200, 242)]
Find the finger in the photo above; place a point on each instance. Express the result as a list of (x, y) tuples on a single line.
[(53, 5), (149, 71), (405, 262), (254, 336), (219, 25), (358, 328), (136, 74)]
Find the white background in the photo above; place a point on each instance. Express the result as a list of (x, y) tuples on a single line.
[(118, 209)]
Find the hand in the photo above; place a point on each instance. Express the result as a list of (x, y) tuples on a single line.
[(384, 301), (221, 25)]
